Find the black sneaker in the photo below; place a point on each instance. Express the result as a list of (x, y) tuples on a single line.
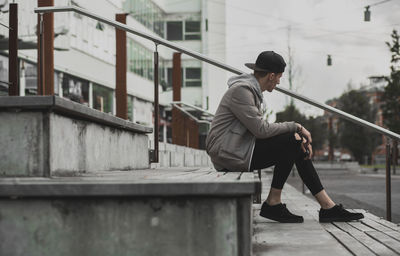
[(338, 214), (279, 213)]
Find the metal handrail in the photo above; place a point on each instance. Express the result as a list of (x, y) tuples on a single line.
[(176, 105), (194, 107), (161, 41)]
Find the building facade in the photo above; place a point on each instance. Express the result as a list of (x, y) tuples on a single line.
[(84, 56)]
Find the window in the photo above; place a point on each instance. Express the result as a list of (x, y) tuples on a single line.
[(75, 89), (147, 13), (103, 98), (169, 74), (141, 61), (193, 77), (192, 30), (188, 30), (130, 108), (3, 75), (174, 30)]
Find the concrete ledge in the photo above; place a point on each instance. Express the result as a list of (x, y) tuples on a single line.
[(206, 182), (176, 211), (174, 156), (47, 135), (124, 226), (68, 108)]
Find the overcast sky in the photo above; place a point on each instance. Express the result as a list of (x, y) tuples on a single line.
[(317, 28)]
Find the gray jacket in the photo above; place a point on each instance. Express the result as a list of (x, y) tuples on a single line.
[(237, 124)]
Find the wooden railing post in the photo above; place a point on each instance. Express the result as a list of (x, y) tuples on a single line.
[(120, 70), (46, 53)]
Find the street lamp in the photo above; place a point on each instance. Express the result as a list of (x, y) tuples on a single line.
[(329, 60), (367, 14)]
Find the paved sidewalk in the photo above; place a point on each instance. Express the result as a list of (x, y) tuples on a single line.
[(313, 238)]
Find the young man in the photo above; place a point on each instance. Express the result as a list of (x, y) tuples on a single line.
[(241, 140)]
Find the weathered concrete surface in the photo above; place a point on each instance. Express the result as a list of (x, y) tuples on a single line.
[(23, 144), (41, 136), (149, 226), (175, 156), (77, 145)]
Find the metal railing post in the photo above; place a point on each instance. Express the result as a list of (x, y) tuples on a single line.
[(156, 107), (388, 182), (13, 89)]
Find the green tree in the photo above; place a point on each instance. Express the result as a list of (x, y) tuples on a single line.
[(316, 126), (391, 95), (359, 140), (290, 113)]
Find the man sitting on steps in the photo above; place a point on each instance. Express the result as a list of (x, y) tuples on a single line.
[(241, 140)]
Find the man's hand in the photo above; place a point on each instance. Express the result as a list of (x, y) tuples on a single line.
[(308, 146), (306, 143)]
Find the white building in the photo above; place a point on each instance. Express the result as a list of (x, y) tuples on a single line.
[(85, 52)]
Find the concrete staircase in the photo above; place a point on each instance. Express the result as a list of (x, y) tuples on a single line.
[(76, 181)]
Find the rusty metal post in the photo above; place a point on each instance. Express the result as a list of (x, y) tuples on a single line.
[(176, 96), (120, 72), (13, 89), (156, 107), (395, 155), (46, 50), (388, 182), (40, 79), (330, 149)]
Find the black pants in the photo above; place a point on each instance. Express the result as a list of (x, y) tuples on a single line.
[(283, 151)]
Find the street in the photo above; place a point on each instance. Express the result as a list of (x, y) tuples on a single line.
[(355, 191)]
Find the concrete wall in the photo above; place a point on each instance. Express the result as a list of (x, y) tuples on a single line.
[(41, 144), (172, 155), (141, 226), (22, 144), (82, 146), (44, 135)]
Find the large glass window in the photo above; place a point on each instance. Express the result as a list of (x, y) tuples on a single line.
[(179, 30), (192, 30), (130, 108), (193, 77), (30, 78), (75, 89), (103, 98), (174, 30), (147, 13), (3, 75), (140, 61)]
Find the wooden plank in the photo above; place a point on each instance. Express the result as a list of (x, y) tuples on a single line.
[(361, 226), (380, 220), (394, 234), (350, 243), (375, 225), (329, 227), (366, 240), (385, 239)]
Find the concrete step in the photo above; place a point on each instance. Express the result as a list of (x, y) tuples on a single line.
[(174, 211), (43, 135)]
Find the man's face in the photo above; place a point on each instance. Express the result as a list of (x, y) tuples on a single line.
[(270, 81)]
